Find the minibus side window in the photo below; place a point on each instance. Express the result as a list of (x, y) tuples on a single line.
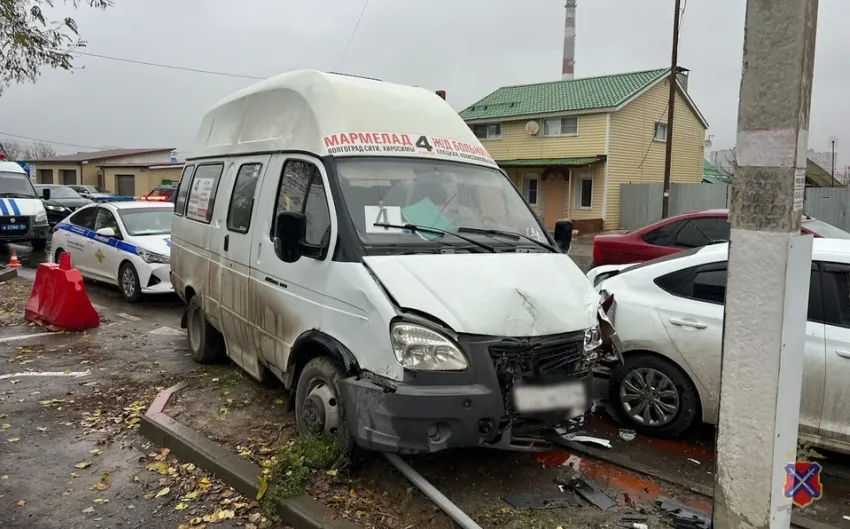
[(183, 190), (242, 198), (202, 193), (301, 189)]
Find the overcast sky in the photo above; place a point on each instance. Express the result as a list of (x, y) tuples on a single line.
[(467, 47)]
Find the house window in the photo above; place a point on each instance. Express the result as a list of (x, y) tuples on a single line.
[(660, 132), (529, 189), (560, 127), (584, 193), (488, 131)]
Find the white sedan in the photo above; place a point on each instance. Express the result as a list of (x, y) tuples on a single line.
[(669, 315), (124, 243)]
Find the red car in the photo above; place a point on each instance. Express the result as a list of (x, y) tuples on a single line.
[(674, 234)]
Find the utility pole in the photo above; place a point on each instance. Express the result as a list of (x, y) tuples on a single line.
[(769, 270), (671, 106)]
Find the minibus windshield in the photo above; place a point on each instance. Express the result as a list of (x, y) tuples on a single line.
[(428, 193)]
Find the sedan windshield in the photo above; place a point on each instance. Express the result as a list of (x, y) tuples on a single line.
[(443, 195), (59, 191), (147, 221), (825, 230), (15, 185)]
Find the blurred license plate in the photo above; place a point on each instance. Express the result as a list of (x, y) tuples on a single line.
[(14, 227), (557, 397)]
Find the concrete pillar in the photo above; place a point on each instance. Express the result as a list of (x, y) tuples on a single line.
[(769, 269)]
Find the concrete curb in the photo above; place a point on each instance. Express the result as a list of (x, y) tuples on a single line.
[(7, 273), (626, 462), (302, 512)]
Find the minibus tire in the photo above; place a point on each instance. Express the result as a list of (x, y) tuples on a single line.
[(208, 349), (322, 371)]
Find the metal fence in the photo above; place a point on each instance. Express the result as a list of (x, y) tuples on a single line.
[(640, 204)]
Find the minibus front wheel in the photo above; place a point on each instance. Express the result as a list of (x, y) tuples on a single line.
[(319, 408)]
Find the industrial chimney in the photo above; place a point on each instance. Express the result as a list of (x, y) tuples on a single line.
[(568, 68), (441, 93)]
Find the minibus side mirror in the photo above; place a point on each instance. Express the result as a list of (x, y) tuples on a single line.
[(564, 234), (45, 194), (289, 244)]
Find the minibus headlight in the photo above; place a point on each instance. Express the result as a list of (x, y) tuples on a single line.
[(422, 349)]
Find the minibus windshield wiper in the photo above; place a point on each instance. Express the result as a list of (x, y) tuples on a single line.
[(438, 231), (507, 235)]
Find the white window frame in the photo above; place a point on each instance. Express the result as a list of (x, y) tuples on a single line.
[(578, 190), (561, 133), (488, 136), (655, 137), (526, 188)]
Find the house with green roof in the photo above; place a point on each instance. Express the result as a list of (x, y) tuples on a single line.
[(569, 145)]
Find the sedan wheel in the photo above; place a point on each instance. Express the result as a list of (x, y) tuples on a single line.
[(128, 280), (653, 395), (649, 397)]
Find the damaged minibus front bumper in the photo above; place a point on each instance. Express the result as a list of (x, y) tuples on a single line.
[(499, 401)]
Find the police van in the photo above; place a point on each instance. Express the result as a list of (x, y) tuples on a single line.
[(353, 238), (22, 214)]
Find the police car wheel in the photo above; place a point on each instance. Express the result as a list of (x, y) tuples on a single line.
[(205, 342), (39, 244), (128, 281), (318, 407), (57, 254)]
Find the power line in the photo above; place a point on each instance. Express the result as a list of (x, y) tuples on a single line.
[(17, 136), (167, 66), (353, 33)]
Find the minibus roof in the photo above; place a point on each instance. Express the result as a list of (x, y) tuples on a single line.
[(324, 113)]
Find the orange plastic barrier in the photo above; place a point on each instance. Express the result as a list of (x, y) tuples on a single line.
[(58, 300)]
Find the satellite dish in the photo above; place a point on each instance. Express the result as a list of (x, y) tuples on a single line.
[(532, 127)]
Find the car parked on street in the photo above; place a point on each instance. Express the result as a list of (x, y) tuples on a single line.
[(161, 194), (92, 192), (668, 314), (62, 202), (398, 284), (123, 243), (681, 232)]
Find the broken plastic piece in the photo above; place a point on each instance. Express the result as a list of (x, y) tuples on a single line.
[(627, 435), (592, 494), (684, 517), (542, 501), (604, 443)]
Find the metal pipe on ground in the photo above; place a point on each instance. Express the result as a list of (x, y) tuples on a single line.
[(452, 510)]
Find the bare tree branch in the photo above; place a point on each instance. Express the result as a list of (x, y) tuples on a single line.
[(29, 41)]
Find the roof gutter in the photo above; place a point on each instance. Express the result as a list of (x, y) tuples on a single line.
[(542, 116)]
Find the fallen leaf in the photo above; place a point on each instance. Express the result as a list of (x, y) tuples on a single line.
[(4, 477), (264, 486), (162, 468), (180, 506), (163, 492), (133, 421), (188, 467), (238, 506), (15, 381), (101, 500), (162, 454), (204, 484), (191, 496), (6, 426), (95, 452), (135, 478), (13, 439), (74, 475), (100, 486), (41, 428), (245, 453), (360, 513), (21, 503), (352, 493), (3, 415), (250, 526), (83, 464), (149, 495), (331, 472), (255, 517), (88, 510)]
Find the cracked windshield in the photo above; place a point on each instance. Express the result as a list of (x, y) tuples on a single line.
[(442, 195)]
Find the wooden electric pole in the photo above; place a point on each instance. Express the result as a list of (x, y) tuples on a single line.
[(671, 106)]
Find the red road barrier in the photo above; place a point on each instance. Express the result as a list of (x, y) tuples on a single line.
[(58, 300)]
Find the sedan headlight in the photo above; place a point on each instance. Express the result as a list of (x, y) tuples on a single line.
[(57, 208), (419, 348), (592, 338), (153, 257), (41, 217)]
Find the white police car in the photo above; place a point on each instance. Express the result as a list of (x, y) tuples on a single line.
[(22, 214), (124, 243)]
